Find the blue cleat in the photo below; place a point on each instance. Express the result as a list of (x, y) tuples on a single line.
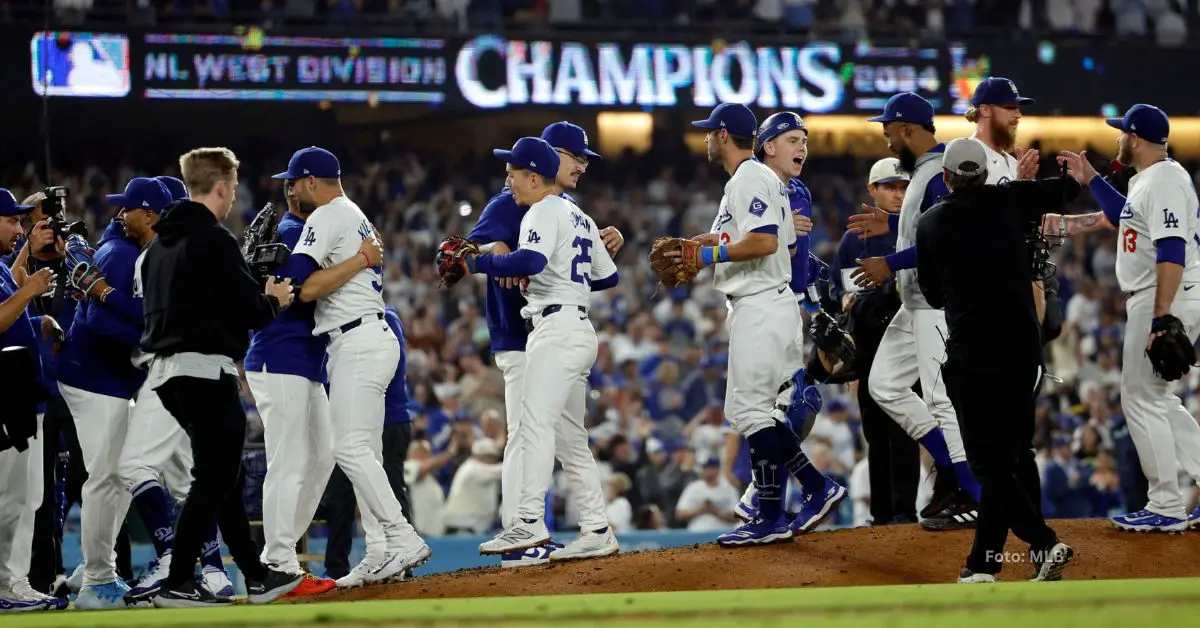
[(816, 508), (1194, 519), (1146, 521), (747, 511), (102, 596), (20, 606), (757, 532), (152, 583), (531, 556)]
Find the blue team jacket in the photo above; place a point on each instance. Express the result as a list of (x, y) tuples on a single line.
[(801, 201), (396, 397), (26, 330), (97, 355), (287, 346)]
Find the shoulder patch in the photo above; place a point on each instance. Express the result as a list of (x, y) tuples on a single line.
[(757, 206)]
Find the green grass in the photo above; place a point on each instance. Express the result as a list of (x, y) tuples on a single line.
[(1086, 604)]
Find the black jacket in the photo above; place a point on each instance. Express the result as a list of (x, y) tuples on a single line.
[(972, 262), (199, 294)]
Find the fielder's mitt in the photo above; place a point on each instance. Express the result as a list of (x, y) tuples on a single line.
[(80, 264), (452, 259), (834, 347), (675, 271), (1172, 354)]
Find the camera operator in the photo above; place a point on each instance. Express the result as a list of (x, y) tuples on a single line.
[(973, 261), (893, 459), (201, 301)]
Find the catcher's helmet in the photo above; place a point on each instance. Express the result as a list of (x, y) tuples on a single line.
[(776, 125)]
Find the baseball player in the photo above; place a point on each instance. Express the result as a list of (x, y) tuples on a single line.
[(500, 222), (564, 257), (340, 267), (156, 448), (21, 490), (917, 330), (1158, 266), (286, 373), (783, 147), (749, 246)]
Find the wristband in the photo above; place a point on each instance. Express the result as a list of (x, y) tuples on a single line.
[(722, 253), (714, 255)]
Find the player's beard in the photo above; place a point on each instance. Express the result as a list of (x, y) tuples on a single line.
[(908, 160), (1124, 155), (1003, 135)]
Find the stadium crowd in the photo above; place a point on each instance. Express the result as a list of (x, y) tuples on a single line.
[(654, 410)]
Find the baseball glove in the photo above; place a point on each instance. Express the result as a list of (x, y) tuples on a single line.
[(834, 347), (80, 264), (675, 271), (452, 256), (1172, 354)]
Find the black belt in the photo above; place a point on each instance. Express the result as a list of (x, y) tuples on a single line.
[(551, 309), (348, 326)]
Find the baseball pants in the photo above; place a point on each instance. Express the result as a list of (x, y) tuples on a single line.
[(559, 354), (570, 447), (996, 410), (362, 363), (156, 448), (20, 496), (298, 435), (101, 423), (210, 412), (913, 349), (340, 501), (1164, 433), (762, 335)]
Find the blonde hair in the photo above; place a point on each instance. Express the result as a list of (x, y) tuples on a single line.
[(972, 114), (202, 168)]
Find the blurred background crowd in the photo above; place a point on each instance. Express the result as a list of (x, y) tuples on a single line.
[(654, 410)]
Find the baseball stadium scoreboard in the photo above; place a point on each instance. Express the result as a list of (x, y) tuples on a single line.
[(491, 72)]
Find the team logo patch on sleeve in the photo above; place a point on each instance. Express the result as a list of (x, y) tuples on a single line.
[(757, 207)]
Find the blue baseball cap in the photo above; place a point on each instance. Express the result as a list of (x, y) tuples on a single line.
[(9, 206), (569, 137), (1145, 121), (142, 193), (733, 117), (906, 107), (312, 162), (531, 153), (998, 90), (176, 187), (777, 125)]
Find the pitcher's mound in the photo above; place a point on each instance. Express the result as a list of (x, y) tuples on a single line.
[(862, 556)]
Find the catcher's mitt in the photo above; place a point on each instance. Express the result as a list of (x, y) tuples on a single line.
[(1172, 354), (452, 259), (834, 347), (675, 271)]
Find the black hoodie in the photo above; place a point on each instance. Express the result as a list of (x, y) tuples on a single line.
[(199, 294)]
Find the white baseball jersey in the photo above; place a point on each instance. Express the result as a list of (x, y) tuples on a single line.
[(1001, 167), (754, 198), (574, 251), (332, 235), (1161, 203)]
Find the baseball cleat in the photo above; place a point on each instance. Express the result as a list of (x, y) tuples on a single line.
[(188, 595), (310, 585), (398, 562), (815, 509), (531, 556), (1194, 519), (276, 585), (961, 514), (75, 582), (593, 544), (95, 597), (1146, 521), (22, 590), (217, 582), (521, 536), (747, 512), (757, 532), (153, 582), (357, 576), (19, 606), (966, 576), (1051, 567), (945, 491)]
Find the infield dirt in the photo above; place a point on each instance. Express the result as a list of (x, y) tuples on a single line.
[(862, 556)]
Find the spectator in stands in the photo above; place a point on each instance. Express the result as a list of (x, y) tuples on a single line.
[(424, 492), (1065, 483), (618, 510), (474, 500), (649, 517), (662, 479), (706, 505)]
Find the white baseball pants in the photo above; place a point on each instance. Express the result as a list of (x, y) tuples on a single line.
[(559, 353), (762, 343), (102, 423), (156, 448), (1163, 431), (21, 476), (570, 447), (298, 435), (914, 347), (362, 362)]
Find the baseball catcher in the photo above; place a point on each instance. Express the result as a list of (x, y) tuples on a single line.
[(1170, 350), (454, 257), (676, 261)]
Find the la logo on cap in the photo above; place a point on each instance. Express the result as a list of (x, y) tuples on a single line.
[(306, 171), (585, 140), (533, 164), (145, 203)]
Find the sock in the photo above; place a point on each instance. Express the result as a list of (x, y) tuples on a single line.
[(811, 480), (210, 556), (766, 460), (155, 508), (966, 479), (935, 443)]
